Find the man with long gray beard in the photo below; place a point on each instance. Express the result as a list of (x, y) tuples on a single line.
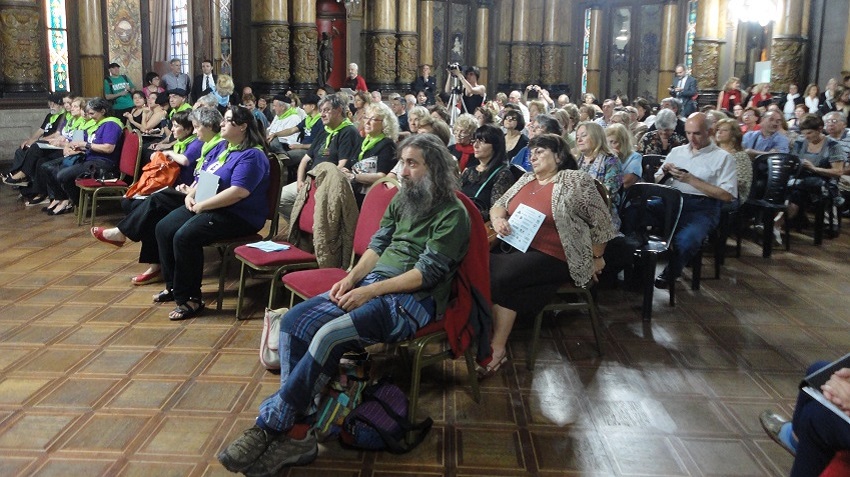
[(401, 283)]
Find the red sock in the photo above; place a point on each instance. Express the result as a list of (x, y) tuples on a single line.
[(298, 431)]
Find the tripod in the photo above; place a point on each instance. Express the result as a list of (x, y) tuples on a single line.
[(456, 96)]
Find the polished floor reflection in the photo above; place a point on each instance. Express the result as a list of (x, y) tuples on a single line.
[(94, 379)]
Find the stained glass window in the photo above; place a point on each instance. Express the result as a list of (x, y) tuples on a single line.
[(57, 41), (692, 31), (180, 32), (225, 9), (584, 50)]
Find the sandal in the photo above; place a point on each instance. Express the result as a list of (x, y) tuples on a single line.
[(186, 310), (492, 368), (164, 296)]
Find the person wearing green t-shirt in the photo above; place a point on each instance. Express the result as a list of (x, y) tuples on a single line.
[(401, 284), (119, 89)]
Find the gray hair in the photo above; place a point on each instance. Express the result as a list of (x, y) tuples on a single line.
[(837, 115), (209, 117), (665, 119), (390, 120), (548, 124), (207, 101), (674, 103), (334, 100), (467, 123), (442, 166)]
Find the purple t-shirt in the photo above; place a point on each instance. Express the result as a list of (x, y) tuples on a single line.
[(193, 153), (107, 133), (248, 169)]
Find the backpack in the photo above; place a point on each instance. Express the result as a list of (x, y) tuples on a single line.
[(380, 421), (157, 174), (342, 395)]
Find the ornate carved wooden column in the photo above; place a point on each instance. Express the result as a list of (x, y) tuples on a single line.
[(521, 50), (482, 43), (91, 48), (786, 50), (706, 51), (380, 52), (594, 71), (407, 48), (426, 35), (22, 69), (269, 24), (669, 30), (502, 70), (305, 45), (556, 42)]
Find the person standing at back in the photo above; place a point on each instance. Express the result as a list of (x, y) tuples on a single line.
[(175, 78), (205, 82), (684, 88), (118, 89)]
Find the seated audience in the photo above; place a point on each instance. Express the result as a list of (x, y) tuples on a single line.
[(707, 176), (488, 175), (307, 129), (401, 283), (812, 98), (621, 144), (515, 140), (153, 84), (598, 161), (99, 151), (464, 129), (439, 112), (768, 138), (800, 110), (835, 125), (197, 133), (761, 96), (730, 95), (283, 131), (751, 119), (50, 128), (377, 151), (663, 138), (568, 247), (237, 209), (728, 137), (815, 433), (249, 101), (135, 116), (543, 124), (414, 115), (156, 117), (224, 92)]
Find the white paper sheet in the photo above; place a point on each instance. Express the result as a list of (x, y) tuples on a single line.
[(524, 222), (207, 186)]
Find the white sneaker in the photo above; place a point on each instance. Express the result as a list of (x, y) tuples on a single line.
[(777, 236)]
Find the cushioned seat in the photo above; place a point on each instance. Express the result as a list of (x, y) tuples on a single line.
[(94, 183), (313, 282), (267, 259)]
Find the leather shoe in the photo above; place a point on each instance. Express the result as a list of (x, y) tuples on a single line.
[(97, 232), (145, 278), (662, 283), (772, 424)]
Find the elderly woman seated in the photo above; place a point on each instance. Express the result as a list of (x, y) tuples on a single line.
[(462, 150), (568, 246), (377, 151), (664, 138), (197, 133), (99, 151), (238, 208), (543, 124)]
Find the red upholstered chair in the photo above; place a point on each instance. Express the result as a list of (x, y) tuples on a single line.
[(129, 165), (309, 283), (281, 262), (226, 248), (839, 466)]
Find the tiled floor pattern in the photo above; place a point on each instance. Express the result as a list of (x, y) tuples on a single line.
[(94, 380)]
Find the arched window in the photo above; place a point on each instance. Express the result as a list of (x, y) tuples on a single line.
[(691, 34), (57, 44), (180, 32)]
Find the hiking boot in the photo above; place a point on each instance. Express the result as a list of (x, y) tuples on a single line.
[(284, 451), (243, 451)]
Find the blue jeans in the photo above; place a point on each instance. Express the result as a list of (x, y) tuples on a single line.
[(820, 433), (700, 215), (313, 337)]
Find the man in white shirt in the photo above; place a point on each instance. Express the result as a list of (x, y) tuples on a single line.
[(286, 117), (707, 176), (205, 82), (516, 98), (607, 112)]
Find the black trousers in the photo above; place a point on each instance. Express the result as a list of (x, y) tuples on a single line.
[(142, 216), (181, 237), (525, 282)]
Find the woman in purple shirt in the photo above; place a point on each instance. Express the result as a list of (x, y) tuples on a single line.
[(100, 150), (238, 208)]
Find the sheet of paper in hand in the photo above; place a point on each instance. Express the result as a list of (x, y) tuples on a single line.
[(524, 222), (812, 383), (207, 186)]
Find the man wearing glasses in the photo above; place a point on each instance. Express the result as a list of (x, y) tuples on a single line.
[(835, 125)]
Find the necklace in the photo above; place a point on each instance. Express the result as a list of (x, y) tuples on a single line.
[(542, 185)]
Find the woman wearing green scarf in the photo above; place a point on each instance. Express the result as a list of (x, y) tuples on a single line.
[(197, 132), (377, 151)]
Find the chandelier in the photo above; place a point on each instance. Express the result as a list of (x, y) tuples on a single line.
[(758, 11)]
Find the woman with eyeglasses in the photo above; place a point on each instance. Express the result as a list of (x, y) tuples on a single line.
[(515, 140), (197, 133), (488, 175), (462, 150), (238, 208), (377, 151)]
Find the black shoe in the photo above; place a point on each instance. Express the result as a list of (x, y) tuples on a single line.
[(246, 449), (62, 211), (662, 283), (9, 180)]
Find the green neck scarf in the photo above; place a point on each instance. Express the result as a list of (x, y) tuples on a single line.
[(333, 132), (54, 117), (291, 111), (182, 107), (181, 144), (206, 148), (368, 144), (222, 158), (90, 129), (310, 121)]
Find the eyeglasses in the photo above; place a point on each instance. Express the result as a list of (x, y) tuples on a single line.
[(373, 119), (832, 120), (510, 118)]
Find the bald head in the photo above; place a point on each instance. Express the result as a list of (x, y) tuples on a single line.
[(696, 128), (771, 122)]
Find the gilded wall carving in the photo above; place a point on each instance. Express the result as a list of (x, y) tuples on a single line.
[(305, 40), (381, 54), (552, 64), (786, 58), (21, 43), (123, 24), (522, 63), (272, 53), (706, 56), (408, 53), (503, 62)]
